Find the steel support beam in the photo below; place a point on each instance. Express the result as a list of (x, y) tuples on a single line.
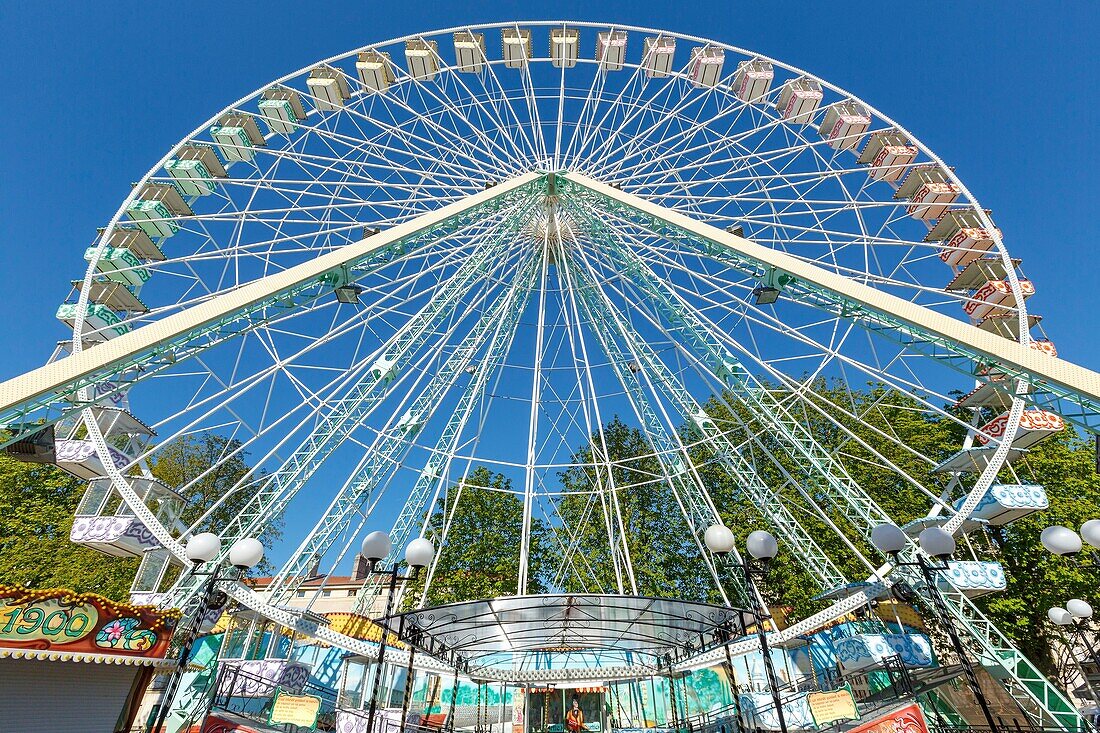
[(861, 303), (1071, 390), (50, 393), (770, 504), (271, 498), (504, 311), (438, 464)]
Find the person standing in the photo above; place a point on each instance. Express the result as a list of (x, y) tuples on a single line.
[(574, 717)]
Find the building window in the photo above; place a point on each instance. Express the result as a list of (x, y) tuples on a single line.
[(352, 592), (301, 594), (326, 593)]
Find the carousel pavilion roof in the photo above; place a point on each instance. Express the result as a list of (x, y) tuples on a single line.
[(569, 631)]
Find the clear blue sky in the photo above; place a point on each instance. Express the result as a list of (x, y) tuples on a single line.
[(96, 92)]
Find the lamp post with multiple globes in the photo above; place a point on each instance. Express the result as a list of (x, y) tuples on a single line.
[(203, 548), (418, 555), (1076, 615), (938, 545), (762, 549), (1064, 542)]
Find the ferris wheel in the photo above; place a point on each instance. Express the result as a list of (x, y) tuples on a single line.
[(519, 232)]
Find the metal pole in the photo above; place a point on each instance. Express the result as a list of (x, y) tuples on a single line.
[(733, 685), (936, 713), (672, 698), (454, 703), (477, 715), (185, 651), (1082, 631), (945, 621), (683, 701), (758, 618), (381, 653), (409, 672)]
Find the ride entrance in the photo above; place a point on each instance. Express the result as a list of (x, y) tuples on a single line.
[(621, 288)]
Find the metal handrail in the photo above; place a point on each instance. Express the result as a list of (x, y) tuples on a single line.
[(228, 681)]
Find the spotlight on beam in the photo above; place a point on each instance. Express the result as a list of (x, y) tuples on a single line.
[(736, 230), (348, 293), (765, 295)]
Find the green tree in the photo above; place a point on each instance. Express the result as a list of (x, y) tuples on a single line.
[(664, 556), (479, 557), (38, 502), (902, 431), (789, 581), (874, 432), (210, 465), (1065, 466)]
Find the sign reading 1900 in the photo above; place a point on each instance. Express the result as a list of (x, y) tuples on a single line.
[(47, 620)]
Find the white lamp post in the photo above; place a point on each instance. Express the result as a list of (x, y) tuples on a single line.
[(418, 555), (937, 544), (202, 548), (762, 549), (1076, 616)]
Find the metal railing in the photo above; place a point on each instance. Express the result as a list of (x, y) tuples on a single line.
[(1013, 726), (250, 696)]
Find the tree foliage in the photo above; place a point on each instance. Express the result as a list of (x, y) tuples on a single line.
[(1037, 580), (478, 528), (879, 435), (210, 465), (664, 556), (38, 502), (889, 443)]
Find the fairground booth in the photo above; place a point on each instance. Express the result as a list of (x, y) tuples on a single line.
[(76, 662)]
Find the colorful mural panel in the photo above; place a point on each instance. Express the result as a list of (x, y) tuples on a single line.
[(908, 719), (57, 619)]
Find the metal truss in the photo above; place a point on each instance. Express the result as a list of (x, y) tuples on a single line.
[(1065, 388), (815, 463), (1022, 680), (698, 510), (502, 317), (438, 464), (769, 503), (53, 392), (280, 487)]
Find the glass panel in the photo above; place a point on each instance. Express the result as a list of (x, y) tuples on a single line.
[(95, 496), (257, 646), (168, 509), (355, 678), (150, 572), (235, 639), (280, 644)]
